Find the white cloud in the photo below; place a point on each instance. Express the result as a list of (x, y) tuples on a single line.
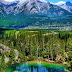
[(60, 2), (52, 3)]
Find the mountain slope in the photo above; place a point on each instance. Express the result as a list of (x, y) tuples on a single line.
[(67, 6), (2, 12), (8, 8)]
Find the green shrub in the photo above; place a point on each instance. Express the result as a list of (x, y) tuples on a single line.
[(41, 58), (32, 58)]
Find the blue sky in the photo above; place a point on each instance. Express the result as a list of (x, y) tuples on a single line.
[(55, 1)]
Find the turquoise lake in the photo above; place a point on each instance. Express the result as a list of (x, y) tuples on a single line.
[(36, 67)]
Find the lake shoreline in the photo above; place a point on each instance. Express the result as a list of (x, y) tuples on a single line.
[(28, 64)]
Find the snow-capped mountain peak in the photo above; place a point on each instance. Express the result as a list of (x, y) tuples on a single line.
[(34, 7), (67, 6), (60, 3)]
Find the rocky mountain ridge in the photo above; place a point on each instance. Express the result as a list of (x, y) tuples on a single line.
[(33, 7), (67, 6)]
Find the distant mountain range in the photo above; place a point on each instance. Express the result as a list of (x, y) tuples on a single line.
[(67, 6), (34, 7), (35, 14)]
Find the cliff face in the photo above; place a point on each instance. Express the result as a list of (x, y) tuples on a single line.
[(8, 54)]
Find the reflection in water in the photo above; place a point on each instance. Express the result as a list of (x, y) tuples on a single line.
[(34, 67), (38, 69)]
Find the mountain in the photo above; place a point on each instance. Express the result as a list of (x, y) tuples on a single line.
[(38, 7), (33, 14), (34, 7), (2, 12), (8, 8), (67, 6)]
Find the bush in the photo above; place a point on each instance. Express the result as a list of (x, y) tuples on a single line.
[(42, 58), (32, 58), (70, 66)]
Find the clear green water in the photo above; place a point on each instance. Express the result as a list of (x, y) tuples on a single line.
[(36, 67)]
